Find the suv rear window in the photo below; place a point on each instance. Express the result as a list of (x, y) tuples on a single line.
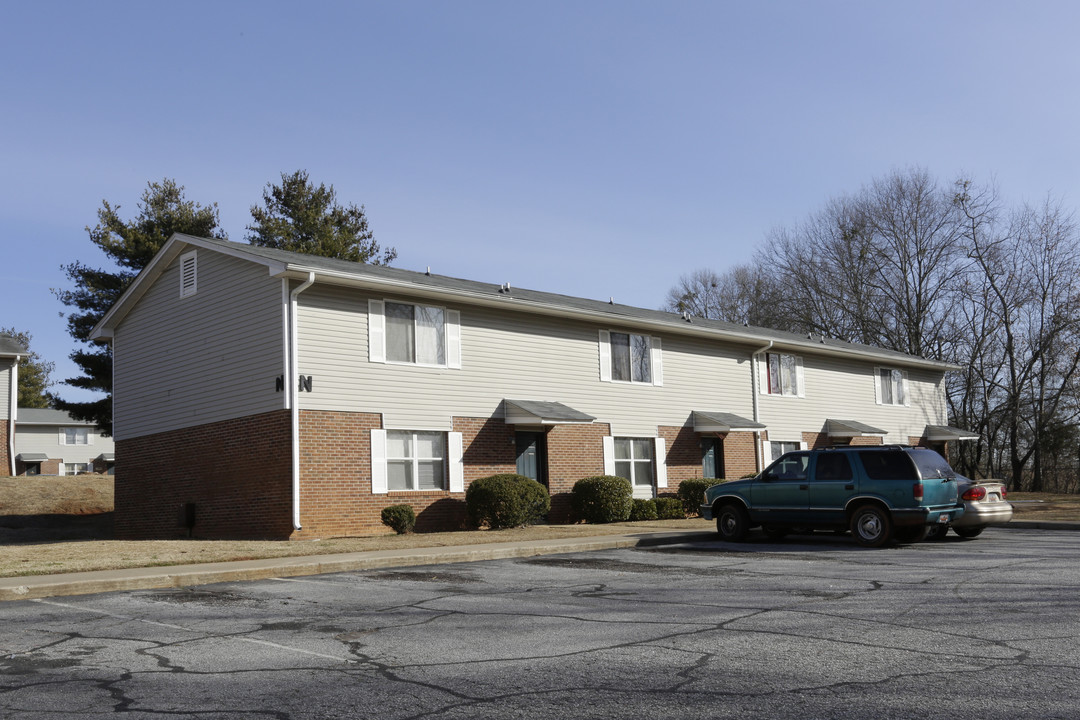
[(887, 465), (930, 464)]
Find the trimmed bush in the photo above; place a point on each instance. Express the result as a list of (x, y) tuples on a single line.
[(506, 501), (643, 509), (692, 493), (669, 508), (400, 518), (602, 499)]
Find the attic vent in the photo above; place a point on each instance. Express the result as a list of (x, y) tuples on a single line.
[(189, 274)]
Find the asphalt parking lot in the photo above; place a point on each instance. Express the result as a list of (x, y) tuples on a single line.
[(808, 628)]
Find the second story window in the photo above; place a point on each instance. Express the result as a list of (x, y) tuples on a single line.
[(626, 357), (413, 334), (785, 374), (891, 386), (75, 436)]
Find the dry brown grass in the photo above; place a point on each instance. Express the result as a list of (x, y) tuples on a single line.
[(36, 512)]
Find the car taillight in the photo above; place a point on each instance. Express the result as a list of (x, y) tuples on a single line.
[(1003, 493), (977, 492), (917, 490)]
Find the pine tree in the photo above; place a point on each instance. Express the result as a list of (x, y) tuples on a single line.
[(301, 217), (130, 244)]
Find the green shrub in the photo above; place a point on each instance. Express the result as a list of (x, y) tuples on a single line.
[(669, 508), (399, 517), (506, 501), (602, 499), (692, 493), (643, 509)]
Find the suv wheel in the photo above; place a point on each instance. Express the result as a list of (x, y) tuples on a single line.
[(871, 526), (732, 523)]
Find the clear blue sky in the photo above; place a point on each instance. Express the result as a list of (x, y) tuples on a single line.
[(590, 148)]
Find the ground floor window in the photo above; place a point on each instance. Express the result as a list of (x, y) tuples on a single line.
[(75, 468), (634, 460), (415, 460), (781, 447)]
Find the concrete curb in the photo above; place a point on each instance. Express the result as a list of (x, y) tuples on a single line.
[(86, 583)]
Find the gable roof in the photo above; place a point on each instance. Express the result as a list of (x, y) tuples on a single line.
[(10, 347), (285, 263)]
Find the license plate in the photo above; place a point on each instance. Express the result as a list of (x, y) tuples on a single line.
[(942, 519)]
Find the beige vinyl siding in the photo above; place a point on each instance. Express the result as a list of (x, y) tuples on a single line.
[(5, 388), (46, 439), (222, 348), (506, 354), (843, 389)]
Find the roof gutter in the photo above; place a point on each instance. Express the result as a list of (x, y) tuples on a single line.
[(293, 385), (759, 449)]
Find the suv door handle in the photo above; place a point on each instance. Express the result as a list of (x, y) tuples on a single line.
[(849, 487), (804, 487)]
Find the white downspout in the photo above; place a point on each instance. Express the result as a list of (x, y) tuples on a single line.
[(759, 450), (13, 400), (292, 384)]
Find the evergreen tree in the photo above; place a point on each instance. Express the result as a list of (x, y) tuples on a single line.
[(34, 373), (299, 216), (130, 244)]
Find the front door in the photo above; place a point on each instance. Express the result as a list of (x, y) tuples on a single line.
[(532, 456)]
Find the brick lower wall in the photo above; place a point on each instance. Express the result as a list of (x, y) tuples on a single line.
[(237, 473), (740, 455), (47, 467), (5, 450), (822, 440), (574, 452)]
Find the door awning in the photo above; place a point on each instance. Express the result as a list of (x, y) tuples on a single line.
[(541, 412), (947, 433), (722, 422), (107, 457), (31, 457), (850, 429)]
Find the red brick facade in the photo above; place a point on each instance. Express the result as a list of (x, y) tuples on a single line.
[(235, 472), (240, 477), (822, 440), (5, 452)]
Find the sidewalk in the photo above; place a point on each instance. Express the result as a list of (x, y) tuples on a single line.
[(86, 583)]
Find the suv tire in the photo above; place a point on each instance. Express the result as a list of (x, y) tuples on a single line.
[(871, 526), (732, 523)]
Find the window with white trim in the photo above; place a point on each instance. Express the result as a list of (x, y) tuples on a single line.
[(634, 460), (189, 273), (75, 468), (626, 357), (779, 447), (75, 436), (784, 374), (891, 386), (412, 334), (415, 460), (404, 460)]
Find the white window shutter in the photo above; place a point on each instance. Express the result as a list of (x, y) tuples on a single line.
[(799, 378), (656, 360), (90, 431), (609, 455), (907, 395), (877, 385), (661, 463), (63, 438), (605, 356), (766, 453), (803, 446), (456, 461), (376, 332), (378, 462), (453, 338)]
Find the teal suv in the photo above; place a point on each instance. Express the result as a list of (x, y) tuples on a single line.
[(881, 494)]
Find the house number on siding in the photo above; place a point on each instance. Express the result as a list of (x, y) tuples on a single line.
[(304, 383)]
